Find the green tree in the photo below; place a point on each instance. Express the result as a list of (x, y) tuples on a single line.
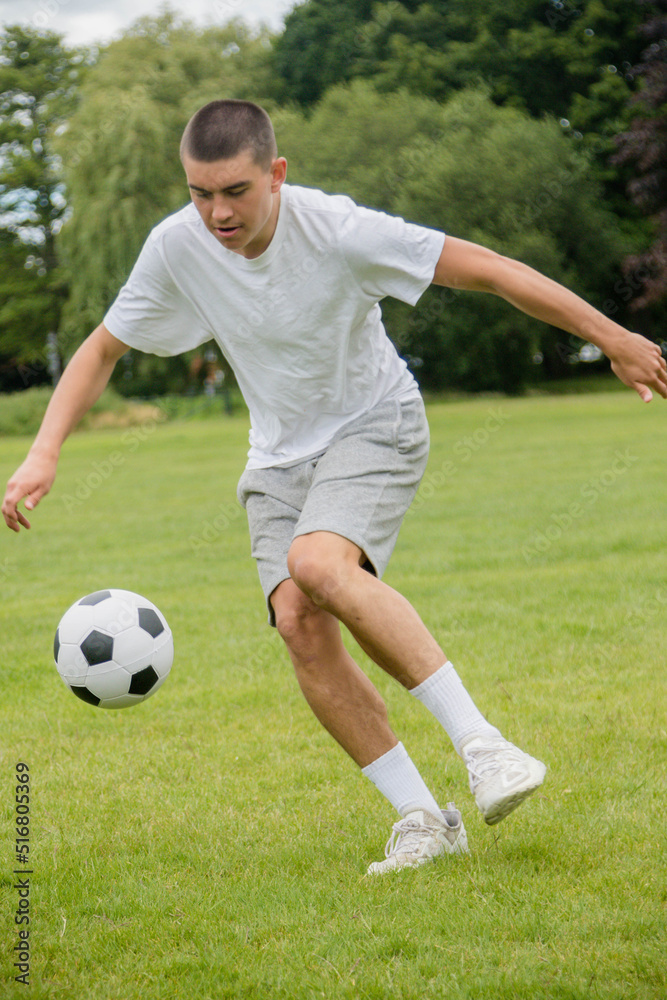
[(570, 60), (550, 57), (353, 140), (488, 174), (319, 47), (38, 84), (644, 147), (502, 179), (120, 152)]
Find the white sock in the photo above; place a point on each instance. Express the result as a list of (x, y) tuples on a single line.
[(398, 779), (445, 696)]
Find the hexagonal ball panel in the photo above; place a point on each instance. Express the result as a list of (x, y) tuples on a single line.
[(143, 681), (85, 695), (162, 656), (150, 621), (97, 647), (114, 616), (133, 648), (96, 598), (75, 623)]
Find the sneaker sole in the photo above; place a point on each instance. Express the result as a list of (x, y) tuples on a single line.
[(376, 868), (379, 868), (503, 807)]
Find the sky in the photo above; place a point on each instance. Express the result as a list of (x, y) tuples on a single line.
[(85, 22)]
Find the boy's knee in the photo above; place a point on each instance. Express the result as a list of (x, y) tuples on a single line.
[(317, 571), (296, 615)]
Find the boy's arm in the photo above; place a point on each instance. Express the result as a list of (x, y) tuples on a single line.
[(635, 360), (81, 384)]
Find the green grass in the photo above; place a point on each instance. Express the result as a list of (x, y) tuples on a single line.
[(211, 843)]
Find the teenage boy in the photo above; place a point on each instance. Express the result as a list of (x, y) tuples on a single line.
[(288, 281)]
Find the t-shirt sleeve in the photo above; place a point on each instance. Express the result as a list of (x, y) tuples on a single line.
[(150, 312), (389, 256)]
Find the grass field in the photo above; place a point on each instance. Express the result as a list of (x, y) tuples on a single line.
[(211, 843)]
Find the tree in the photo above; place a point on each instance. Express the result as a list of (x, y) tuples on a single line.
[(120, 152), (499, 178), (553, 57), (353, 139), (488, 174), (318, 47), (38, 80), (644, 147)]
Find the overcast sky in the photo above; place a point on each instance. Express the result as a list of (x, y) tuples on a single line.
[(89, 21)]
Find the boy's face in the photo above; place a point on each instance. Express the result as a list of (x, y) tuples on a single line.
[(238, 200)]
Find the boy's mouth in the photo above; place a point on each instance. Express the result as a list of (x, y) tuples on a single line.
[(227, 231)]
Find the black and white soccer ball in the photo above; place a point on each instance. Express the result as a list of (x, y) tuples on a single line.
[(113, 648)]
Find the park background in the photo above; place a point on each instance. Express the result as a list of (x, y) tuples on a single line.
[(535, 128), (212, 842)]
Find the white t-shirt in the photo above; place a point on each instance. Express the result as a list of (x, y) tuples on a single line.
[(300, 325)]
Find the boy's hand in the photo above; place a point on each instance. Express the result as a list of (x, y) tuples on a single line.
[(639, 364), (32, 480)]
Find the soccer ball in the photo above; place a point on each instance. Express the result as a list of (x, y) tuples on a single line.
[(113, 648)]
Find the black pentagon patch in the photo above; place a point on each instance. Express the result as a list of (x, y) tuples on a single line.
[(96, 598), (97, 647), (56, 645), (143, 681), (85, 695), (150, 622)]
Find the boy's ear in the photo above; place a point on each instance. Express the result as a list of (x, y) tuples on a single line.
[(278, 173)]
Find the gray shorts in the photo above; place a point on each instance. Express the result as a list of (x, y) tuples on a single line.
[(360, 488)]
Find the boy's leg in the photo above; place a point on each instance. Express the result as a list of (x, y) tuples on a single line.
[(338, 691), (327, 568), (346, 505), (344, 700), (351, 709)]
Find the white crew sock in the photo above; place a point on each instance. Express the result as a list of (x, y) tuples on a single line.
[(445, 696), (398, 779)]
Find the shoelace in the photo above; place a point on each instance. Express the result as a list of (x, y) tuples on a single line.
[(484, 759), (406, 834)]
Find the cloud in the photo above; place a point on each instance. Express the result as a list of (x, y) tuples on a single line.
[(85, 22)]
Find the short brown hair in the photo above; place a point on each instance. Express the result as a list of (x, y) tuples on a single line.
[(223, 129)]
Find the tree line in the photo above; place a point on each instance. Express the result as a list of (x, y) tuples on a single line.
[(535, 128)]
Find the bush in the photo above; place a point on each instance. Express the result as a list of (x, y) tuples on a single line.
[(22, 412)]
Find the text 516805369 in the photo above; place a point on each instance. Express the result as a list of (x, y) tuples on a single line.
[(23, 870)]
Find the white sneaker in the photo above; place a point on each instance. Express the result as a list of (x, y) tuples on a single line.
[(501, 775), (420, 836)]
